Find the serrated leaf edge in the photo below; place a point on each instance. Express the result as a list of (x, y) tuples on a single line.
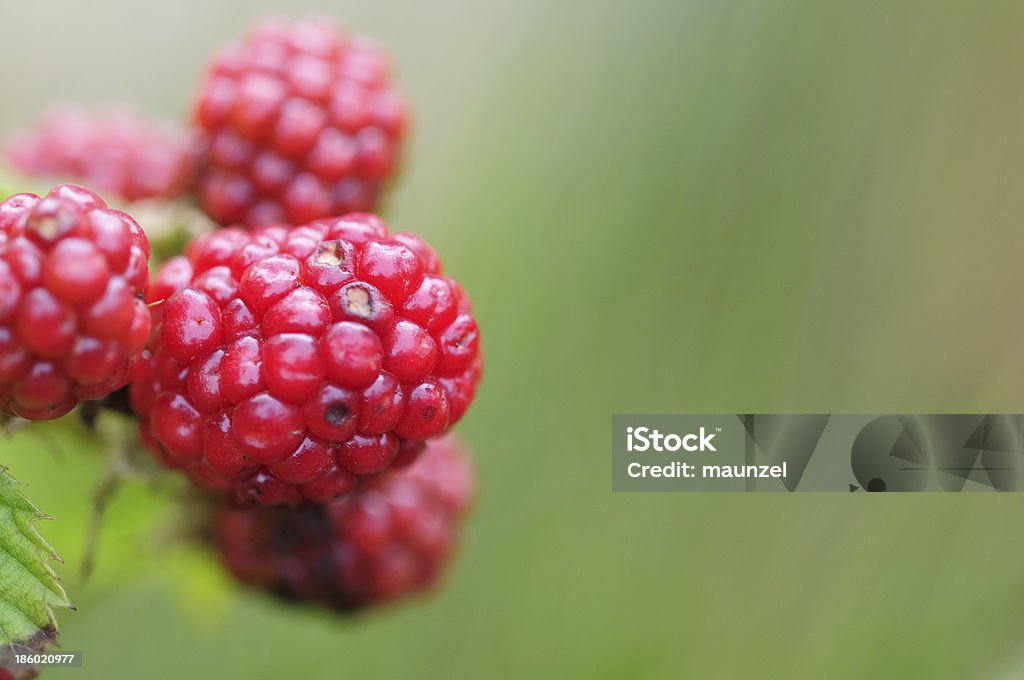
[(25, 514)]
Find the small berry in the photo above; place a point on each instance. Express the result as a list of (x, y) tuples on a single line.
[(297, 121), (72, 272), (115, 150), (279, 373), (388, 540)]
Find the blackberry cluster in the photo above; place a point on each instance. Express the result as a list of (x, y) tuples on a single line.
[(297, 121), (299, 360), (389, 539), (72, 321), (289, 362)]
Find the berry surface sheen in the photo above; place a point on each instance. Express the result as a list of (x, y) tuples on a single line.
[(289, 363)]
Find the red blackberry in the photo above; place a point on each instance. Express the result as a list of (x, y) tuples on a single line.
[(115, 150), (298, 121), (72, 323), (388, 540), (292, 361)]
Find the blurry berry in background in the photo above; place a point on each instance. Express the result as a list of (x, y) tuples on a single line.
[(389, 539), (296, 121), (113, 150)]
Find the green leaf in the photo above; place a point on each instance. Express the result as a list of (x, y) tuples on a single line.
[(29, 588)]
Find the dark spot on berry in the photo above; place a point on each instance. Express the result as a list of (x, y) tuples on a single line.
[(429, 412), (359, 302), (52, 226), (331, 253), (336, 414), (48, 227)]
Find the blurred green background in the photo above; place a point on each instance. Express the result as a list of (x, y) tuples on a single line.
[(754, 205)]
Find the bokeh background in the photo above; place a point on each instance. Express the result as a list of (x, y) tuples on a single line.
[(754, 205)]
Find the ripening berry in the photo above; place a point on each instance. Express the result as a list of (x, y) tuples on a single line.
[(291, 362), (116, 150), (297, 121), (390, 539), (72, 318)]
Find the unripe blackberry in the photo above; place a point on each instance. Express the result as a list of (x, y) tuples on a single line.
[(115, 150), (297, 121), (72, 321), (289, 362), (390, 539)]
